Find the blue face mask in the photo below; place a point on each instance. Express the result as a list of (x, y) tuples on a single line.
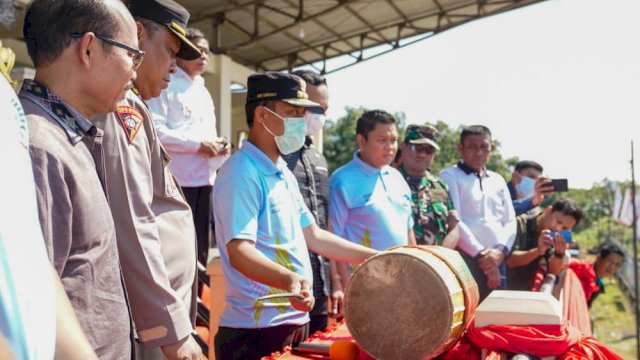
[(293, 137), (526, 187)]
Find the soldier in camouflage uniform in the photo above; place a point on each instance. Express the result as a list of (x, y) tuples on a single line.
[(435, 219)]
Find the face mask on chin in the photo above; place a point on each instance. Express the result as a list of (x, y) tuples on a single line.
[(526, 187), (292, 139), (315, 122)]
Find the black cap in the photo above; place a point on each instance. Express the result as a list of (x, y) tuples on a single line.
[(274, 85), (172, 15)]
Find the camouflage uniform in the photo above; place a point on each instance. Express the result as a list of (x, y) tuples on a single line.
[(431, 206), (429, 195)]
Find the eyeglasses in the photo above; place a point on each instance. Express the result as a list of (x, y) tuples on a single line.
[(204, 51), (429, 150), (136, 54)]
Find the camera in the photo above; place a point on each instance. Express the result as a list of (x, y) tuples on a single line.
[(568, 237)]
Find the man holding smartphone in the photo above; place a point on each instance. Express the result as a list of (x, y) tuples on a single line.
[(185, 120), (528, 187), (541, 239)]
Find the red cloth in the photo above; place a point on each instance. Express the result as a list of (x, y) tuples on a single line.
[(589, 348), (462, 350), (587, 276), (538, 340), (570, 341), (575, 308)]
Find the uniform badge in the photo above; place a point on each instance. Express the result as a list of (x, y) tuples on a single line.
[(131, 119)]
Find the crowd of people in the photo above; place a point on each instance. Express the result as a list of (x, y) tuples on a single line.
[(124, 185)]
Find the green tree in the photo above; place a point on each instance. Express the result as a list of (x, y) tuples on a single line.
[(339, 143)]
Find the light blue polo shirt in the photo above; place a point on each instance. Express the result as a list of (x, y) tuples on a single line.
[(370, 206), (256, 200)]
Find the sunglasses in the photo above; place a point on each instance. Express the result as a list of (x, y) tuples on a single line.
[(429, 150), (136, 54)]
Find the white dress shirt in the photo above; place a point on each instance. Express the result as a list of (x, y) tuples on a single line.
[(184, 116), (484, 205)]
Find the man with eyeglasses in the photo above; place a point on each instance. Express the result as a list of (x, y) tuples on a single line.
[(77, 77), (156, 237), (435, 219), (185, 120), (488, 221)]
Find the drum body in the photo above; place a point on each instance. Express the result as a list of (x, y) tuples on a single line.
[(410, 302)]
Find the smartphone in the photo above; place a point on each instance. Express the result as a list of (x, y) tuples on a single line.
[(568, 237), (560, 185)]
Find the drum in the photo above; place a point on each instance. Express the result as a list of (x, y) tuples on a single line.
[(410, 302)]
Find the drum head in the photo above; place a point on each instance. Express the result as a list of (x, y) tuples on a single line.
[(397, 306)]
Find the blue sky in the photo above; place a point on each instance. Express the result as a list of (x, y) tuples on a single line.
[(557, 82)]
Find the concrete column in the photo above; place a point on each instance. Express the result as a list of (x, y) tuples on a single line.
[(218, 81)]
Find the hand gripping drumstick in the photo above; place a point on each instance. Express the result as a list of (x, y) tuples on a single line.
[(338, 350)]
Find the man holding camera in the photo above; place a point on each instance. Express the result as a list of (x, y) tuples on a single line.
[(528, 187), (541, 239)]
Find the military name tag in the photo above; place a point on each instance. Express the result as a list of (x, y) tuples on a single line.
[(439, 195), (130, 119)]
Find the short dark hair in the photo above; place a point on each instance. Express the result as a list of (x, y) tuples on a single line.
[(48, 26), (528, 164), (311, 77), (251, 107), (150, 26), (474, 130), (368, 120), (568, 207), (610, 248), (193, 33)]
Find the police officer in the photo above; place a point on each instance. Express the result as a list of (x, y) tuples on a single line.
[(435, 219), (154, 226)]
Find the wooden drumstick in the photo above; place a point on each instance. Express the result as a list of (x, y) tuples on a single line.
[(338, 350), (280, 296)]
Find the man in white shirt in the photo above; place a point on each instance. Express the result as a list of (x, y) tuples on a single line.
[(488, 222), (185, 120)]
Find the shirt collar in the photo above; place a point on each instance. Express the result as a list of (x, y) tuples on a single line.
[(183, 76), (366, 168), (467, 170), (260, 159), (72, 122), (407, 176)]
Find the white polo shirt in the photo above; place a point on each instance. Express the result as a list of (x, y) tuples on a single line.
[(184, 116), (484, 205)]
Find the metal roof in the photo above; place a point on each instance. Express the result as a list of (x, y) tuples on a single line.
[(284, 34)]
